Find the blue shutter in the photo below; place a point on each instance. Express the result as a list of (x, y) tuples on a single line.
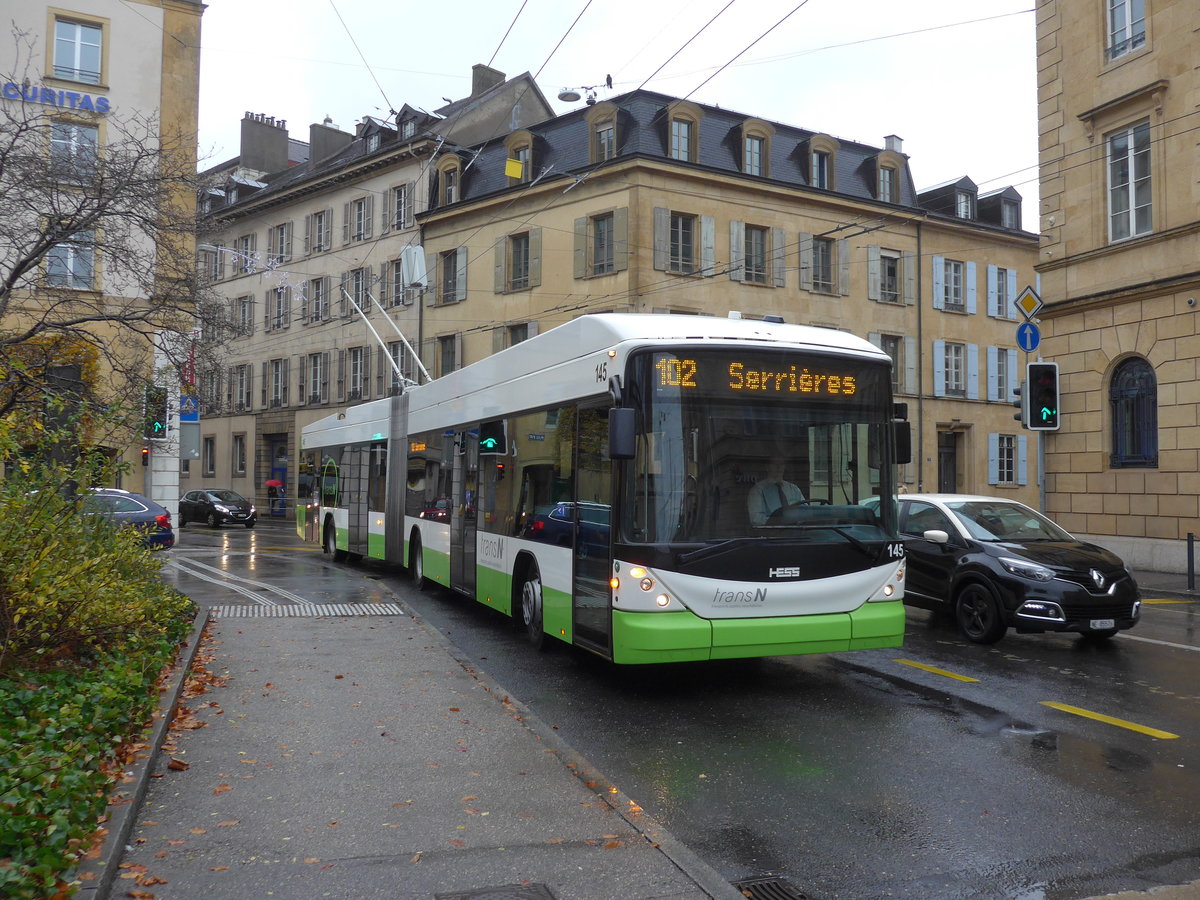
[(1011, 312), (939, 282), (939, 368), (1022, 458), (1013, 379), (993, 301), (993, 380), (993, 458), (971, 300), (972, 371)]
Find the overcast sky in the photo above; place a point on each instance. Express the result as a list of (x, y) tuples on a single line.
[(955, 80)]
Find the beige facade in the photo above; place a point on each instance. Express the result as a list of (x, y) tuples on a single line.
[(99, 73), (1120, 188), (601, 215)]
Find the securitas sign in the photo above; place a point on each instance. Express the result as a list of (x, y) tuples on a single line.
[(32, 93)]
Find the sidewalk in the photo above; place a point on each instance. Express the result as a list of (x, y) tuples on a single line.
[(357, 757)]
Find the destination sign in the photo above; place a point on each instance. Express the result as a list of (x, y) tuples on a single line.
[(761, 375)]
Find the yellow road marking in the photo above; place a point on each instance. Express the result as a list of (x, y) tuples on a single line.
[(1109, 720), (1164, 601), (925, 668)]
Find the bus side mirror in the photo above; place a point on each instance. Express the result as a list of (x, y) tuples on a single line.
[(622, 433), (903, 433)]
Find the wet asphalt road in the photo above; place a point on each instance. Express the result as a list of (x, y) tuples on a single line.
[(935, 771)]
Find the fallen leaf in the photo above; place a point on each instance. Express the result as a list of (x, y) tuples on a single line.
[(218, 868), (140, 895), (178, 765), (197, 831), (222, 788), (249, 762), (228, 823), (612, 845), (312, 859)]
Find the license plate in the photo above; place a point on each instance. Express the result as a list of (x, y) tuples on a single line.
[(1100, 624)]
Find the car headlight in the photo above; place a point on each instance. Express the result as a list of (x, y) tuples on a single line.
[(1026, 569), (219, 508)]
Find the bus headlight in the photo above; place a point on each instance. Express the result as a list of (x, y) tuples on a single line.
[(663, 601), (647, 583)]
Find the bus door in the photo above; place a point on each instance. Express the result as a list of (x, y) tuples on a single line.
[(463, 511), (592, 512), (355, 471)]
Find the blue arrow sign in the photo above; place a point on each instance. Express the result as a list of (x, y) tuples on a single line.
[(1028, 337)]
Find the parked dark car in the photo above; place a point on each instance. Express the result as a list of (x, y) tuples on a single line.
[(130, 510), (996, 564), (215, 507), (554, 524)]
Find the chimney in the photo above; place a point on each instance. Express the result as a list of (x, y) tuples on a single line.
[(893, 143), (483, 78), (326, 139), (264, 143)]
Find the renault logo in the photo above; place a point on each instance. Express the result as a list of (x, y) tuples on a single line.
[(1098, 578)]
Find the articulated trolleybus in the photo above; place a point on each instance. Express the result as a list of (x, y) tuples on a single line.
[(651, 488)]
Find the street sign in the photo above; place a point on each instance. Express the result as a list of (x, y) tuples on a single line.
[(189, 408), (1028, 337), (1028, 302)]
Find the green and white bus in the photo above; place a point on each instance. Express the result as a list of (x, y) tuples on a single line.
[(601, 484)]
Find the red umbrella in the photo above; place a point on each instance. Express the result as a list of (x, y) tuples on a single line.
[(272, 482)]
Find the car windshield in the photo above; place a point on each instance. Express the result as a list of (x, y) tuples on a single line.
[(227, 496), (998, 521)]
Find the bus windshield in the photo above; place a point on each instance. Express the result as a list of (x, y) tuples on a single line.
[(759, 444)]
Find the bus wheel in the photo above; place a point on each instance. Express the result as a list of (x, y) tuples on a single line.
[(531, 608), (978, 615), (416, 562), (330, 544)]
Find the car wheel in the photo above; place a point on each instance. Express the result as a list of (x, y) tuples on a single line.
[(978, 615), (329, 544), (531, 608), (416, 562), (213, 521), (182, 519), (250, 524)]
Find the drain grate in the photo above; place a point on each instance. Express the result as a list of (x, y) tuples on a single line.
[(768, 889), (505, 892), (287, 610)]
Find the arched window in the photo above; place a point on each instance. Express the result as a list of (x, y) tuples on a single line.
[(1134, 398)]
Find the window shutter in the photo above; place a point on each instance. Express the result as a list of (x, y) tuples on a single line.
[(939, 368), (325, 357), (366, 373), (435, 282), (708, 246), (308, 234), (939, 282), (993, 458), (993, 374), (1011, 312), (498, 338), (908, 262), (662, 237), (406, 212), (806, 260), (385, 284), (382, 367), (874, 273), (301, 394), (910, 365), (266, 372), (287, 241), (621, 239), (1022, 458), (385, 215), (580, 260), (843, 251), (458, 350), (343, 294), (993, 299), (972, 371), (1012, 376), (341, 377), (326, 235), (460, 291), (499, 266), (737, 250), (232, 376), (285, 363), (875, 338), (287, 307), (267, 311), (368, 216), (778, 257), (535, 257), (346, 223), (531, 329), (304, 302), (971, 299)]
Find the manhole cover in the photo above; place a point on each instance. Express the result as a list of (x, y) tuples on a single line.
[(768, 889)]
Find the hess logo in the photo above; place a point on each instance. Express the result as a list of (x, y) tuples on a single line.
[(784, 572)]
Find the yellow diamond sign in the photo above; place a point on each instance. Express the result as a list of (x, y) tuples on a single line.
[(1029, 302)]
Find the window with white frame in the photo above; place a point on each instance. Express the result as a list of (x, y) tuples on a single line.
[(822, 264), (244, 253), (1129, 186), (523, 156), (449, 260), (683, 244), (893, 346), (753, 147), (244, 308), (889, 185), (955, 368), (71, 263), (518, 262), (606, 140), (242, 383), (78, 51), (400, 358), (447, 354), (1010, 214), (356, 360), (318, 299), (1006, 459), (602, 244), (1002, 286), (1126, 26), (408, 129), (212, 264), (964, 204), (952, 282), (889, 276), (682, 139), (280, 313), (755, 255), (402, 206), (822, 166), (74, 150), (316, 377), (239, 454), (279, 375), (450, 185), (356, 285), (209, 456), (279, 244), (359, 223), (319, 231)]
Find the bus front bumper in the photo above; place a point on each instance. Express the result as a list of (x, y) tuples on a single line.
[(645, 637)]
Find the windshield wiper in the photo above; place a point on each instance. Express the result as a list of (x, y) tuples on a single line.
[(713, 549)]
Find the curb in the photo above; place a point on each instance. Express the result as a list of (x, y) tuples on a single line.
[(102, 870), (701, 873)]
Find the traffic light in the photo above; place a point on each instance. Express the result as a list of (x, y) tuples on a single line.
[(145, 456), (492, 439), (1022, 403), (1043, 396), (155, 422)]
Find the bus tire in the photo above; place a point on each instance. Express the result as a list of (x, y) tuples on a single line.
[(416, 562), (329, 544), (531, 607)]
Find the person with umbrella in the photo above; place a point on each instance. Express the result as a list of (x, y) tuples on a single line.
[(273, 486)]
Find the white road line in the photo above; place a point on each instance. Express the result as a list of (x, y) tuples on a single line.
[(1145, 640), (245, 592), (326, 609), (282, 592)]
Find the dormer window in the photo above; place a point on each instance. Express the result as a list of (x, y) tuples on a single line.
[(964, 204), (889, 168), (756, 147), (822, 161), (519, 167), (1010, 214), (449, 177), (683, 131), (408, 129), (373, 142), (602, 131)]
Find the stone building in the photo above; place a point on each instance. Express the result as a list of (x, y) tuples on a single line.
[(1120, 245)]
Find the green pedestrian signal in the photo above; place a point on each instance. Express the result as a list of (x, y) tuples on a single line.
[(156, 409), (1042, 378)]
